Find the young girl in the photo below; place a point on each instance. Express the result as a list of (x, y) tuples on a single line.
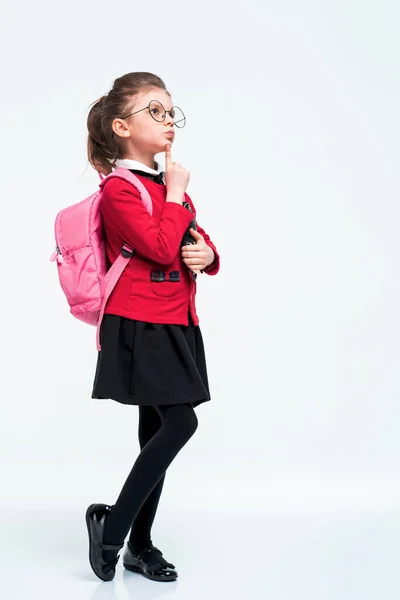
[(152, 352)]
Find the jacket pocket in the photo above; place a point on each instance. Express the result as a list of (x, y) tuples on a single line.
[(165, 283)]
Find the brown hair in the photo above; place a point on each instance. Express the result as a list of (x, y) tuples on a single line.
[(102, 146)]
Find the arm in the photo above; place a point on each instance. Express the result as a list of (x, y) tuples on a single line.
[(158, 240), (213, 268)]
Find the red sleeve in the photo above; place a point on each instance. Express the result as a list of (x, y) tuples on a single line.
[(158, 240), (213, 268)]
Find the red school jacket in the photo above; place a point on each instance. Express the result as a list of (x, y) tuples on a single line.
[(157, 240)]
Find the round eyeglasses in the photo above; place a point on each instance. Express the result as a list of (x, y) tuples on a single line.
[(158, 112)]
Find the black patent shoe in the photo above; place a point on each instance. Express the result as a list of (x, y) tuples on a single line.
[(96, 516), (150, 563)]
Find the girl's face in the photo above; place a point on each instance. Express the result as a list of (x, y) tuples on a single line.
[(142, 135)]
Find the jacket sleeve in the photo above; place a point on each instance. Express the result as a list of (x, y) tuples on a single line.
[(213, 268), (157, 239)]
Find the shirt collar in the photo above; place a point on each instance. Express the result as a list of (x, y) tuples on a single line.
[(129, 163)]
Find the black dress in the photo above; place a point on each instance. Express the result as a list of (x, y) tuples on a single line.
[(146, 363)]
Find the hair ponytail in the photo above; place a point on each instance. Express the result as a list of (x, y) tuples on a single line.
[(101, 145), (103, 148)]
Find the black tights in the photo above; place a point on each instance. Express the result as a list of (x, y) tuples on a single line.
[(163, 431)]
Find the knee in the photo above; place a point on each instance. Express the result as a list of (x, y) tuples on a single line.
[(185, 421), (192, 422)]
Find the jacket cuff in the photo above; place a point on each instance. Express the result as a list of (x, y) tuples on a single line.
[(181, 216), (213, 268)]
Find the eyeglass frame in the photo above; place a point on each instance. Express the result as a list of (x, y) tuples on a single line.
[(165, 113)]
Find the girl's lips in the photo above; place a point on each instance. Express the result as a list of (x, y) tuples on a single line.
[(170, 133)]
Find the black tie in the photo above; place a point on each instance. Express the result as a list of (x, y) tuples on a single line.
[(157, 178)]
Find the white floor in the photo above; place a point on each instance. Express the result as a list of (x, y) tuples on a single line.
[(321, 550)]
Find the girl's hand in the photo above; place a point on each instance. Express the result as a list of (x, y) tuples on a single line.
[(199, 255), (176, 177)]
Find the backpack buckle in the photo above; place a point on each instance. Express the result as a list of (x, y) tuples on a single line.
[(127, 251)]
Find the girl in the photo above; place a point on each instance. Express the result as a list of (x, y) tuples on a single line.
[(152, 352)]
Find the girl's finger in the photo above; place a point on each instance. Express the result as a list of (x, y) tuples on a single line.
[(168, 158), (194, 254), (197, 266), (193, 261)]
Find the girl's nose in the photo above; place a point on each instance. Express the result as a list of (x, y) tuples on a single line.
[(168, 119)]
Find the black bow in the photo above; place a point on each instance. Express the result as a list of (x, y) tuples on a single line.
[(157, 178)]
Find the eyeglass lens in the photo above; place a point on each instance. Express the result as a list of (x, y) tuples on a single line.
[(158, 113)]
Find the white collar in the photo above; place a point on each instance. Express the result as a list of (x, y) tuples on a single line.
[(129, 163)]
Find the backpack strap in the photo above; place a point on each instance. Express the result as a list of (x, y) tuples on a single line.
[(113, 274), (116, 269), (126, 174)]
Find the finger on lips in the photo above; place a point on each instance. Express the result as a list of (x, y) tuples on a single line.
[(167, 153)]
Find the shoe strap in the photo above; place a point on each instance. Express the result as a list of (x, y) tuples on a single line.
[(146, 551), (158, 565)]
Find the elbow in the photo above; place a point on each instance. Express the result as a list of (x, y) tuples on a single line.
[(155, 253), (163, 258), (160, 254), (161, 251)]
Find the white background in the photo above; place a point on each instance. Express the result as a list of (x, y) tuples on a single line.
[(290, 486)]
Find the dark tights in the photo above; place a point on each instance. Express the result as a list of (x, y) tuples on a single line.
[(163, 431)]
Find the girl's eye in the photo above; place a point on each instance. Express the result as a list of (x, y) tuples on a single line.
[(155, 111), (172, 113)]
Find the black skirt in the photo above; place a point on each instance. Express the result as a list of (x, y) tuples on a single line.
[(150, 363)]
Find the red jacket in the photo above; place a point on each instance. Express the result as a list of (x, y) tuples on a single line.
[(157, 240)]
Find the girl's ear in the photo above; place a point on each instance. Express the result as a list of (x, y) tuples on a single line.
[(120, 128)]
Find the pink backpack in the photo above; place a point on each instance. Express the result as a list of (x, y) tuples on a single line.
[(81, 256)]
